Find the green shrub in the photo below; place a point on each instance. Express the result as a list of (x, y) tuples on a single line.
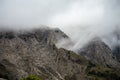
[(32, 77)]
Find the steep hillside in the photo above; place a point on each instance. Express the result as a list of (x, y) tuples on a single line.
[(34, 52), (116, 52), (99, 53)]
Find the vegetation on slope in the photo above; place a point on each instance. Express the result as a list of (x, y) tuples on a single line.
[(31, 77)]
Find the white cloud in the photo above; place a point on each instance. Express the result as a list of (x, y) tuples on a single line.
[(82, 20)]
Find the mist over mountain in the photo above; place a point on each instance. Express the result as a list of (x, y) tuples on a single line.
[(60, 39), (82, 20), (34, 52)]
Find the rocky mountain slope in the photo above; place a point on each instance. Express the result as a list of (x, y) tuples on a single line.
[(34, 52), (99, 53), (116, 52)]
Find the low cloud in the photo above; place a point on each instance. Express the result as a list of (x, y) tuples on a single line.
[(82, 20)]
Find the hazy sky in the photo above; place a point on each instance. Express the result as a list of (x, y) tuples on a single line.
[(82, 20), (29, 12), (56, 12)]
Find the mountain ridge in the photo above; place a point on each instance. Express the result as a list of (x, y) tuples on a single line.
[(35, 53)]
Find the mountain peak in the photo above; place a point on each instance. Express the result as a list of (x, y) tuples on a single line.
[(99, 53)]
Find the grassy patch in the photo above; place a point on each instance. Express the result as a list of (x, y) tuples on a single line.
[(31, 77)]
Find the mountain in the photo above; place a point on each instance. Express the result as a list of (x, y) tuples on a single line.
[(25, 53), (99, 53), (34, 52), (116, 52)]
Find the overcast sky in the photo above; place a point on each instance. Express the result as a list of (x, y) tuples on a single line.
[(29, 12), (82, 20), (56, 12)]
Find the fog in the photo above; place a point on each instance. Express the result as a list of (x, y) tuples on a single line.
[(82, 20)]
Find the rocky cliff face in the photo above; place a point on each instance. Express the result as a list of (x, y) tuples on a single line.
[(99, 53), (34, 52), (116, 52)]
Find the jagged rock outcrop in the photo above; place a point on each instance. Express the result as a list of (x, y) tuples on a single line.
[(34, 52), (116, 52), (99, 53)]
